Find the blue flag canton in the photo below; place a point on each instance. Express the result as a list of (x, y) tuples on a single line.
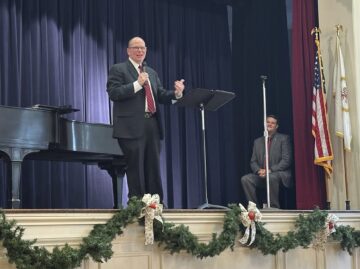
[(317, 78)]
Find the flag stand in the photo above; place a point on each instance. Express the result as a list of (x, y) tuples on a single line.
[(341, 107), (328, 196), (347, 201), (323, 154)]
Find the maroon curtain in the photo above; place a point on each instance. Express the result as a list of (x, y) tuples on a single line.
[(310, 181)]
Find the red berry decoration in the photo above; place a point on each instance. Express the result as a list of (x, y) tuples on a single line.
[(152, 205), (331, 225), (251, 215)]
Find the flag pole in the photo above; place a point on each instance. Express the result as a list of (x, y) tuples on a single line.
[(317, 32), (347, 201)]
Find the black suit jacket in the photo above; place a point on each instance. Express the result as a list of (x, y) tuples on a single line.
[(129, 107), (280, 157)]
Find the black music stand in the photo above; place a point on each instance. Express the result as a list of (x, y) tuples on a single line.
[(211, 100)]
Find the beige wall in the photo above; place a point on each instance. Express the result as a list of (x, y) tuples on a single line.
[(53, 229), (345, 13)]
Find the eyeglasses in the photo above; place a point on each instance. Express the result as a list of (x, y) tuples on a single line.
[(138, 48)]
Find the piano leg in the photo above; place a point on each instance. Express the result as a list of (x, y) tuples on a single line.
[(15, 184), (14, 158), (117, 173)]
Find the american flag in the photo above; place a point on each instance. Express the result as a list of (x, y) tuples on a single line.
[(323, 149)]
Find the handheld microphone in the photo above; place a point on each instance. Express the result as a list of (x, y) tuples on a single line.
[(143, 65), (263, 77)]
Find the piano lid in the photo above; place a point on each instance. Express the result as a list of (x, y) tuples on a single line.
[(41, 129), (65, 109)]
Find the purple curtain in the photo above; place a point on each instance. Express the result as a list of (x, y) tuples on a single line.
[(310, 181), (58, 52), (260, 47)]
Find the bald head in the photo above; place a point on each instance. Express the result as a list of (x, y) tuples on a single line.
[(134, 40)]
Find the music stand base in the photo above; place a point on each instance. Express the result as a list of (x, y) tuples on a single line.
[(207, 205)]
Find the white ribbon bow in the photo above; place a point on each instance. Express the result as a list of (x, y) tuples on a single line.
[(249, 218), (331, 221), (152, 210)]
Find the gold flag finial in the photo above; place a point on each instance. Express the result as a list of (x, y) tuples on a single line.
[(316, 31)]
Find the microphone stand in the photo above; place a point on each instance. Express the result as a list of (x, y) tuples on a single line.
[(266, 138)]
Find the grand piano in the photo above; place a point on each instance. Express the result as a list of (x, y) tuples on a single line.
[(42, 133)]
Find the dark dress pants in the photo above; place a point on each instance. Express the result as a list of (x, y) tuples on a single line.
[(143, 161), (252, 182)]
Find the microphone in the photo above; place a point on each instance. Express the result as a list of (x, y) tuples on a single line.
[(143, 66), (263, 77)]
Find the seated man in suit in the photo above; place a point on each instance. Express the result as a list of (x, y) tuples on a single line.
[(280, 158)]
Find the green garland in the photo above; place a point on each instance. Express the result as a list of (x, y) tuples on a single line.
[(173, 238)]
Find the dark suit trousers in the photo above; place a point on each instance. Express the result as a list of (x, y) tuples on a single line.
[(251, 182), (143, 161)]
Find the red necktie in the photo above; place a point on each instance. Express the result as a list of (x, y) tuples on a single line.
[(148, 96), (269, 143), (268, 146)]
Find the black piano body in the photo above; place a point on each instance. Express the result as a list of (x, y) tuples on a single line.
[(42, 133)]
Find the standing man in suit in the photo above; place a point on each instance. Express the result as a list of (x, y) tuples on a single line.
[(280, 158), (136, 91)]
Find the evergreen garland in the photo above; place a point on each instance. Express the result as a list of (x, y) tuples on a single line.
[(173, 238)]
